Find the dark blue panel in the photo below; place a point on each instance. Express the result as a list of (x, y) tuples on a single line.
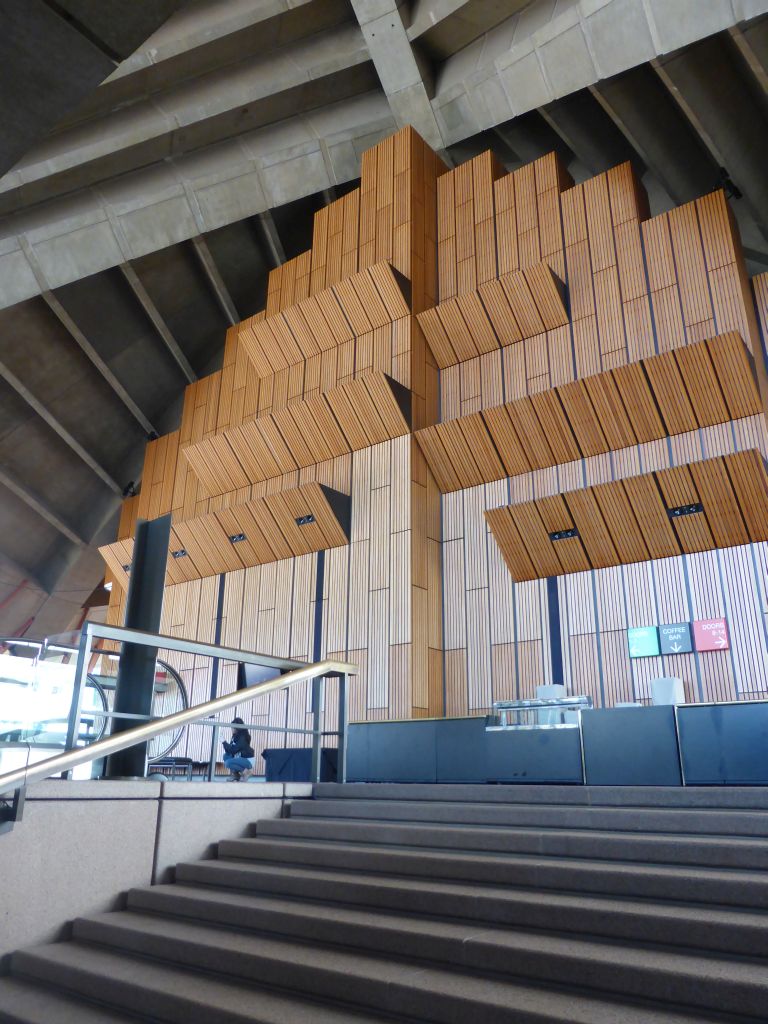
[(631, 747), (534, 755), (725, 744), (461, 750), (294, 764), (392, 752)]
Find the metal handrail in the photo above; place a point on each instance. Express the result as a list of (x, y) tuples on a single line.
[(292, 672), (141, 733)]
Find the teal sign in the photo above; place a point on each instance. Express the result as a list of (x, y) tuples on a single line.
[(643, 641)]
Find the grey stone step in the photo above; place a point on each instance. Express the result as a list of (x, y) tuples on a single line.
[(728, 887), (431, 994), (389, 918), (696, 821), (733, 797), (707, 928), (712, 851), (162, 992), (25, 1002)]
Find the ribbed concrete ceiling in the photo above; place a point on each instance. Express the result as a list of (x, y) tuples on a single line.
[(146, 221)]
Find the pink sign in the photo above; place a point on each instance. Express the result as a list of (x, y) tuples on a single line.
[(711, 635)]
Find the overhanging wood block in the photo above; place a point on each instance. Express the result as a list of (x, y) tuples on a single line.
[(363, 412), (518, 305), (715, 503), (282, 525), (710, 382), (353, 306)]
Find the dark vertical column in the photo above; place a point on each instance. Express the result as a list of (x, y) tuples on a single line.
[(555, 637), (318, 685), (136, 674), (217, 638)]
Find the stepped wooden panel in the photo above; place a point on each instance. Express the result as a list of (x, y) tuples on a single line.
[(203, 547), (363, 412), (500, 312), (618, 521), (421, 573), (701, 385), (359, 304)]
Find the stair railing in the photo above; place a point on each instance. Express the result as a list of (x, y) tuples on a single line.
[(292, 672)]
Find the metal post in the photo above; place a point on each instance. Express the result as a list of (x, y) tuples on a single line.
[(214, 748), (318, 689), (81, 673), (341, 757), (679, 745), (581, 749)]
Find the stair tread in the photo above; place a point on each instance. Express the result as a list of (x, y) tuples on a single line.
[(651, 838), (687, 798), (328, 877), (22, 1000), (248, 845), (223, 1000), (659, 961), (439, 810), (482, 993), (322, 910)]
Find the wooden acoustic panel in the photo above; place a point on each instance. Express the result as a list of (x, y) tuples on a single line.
[(502, 311), (281, 525), (363, 412), (710, 382), (353, 306), (715, 503)]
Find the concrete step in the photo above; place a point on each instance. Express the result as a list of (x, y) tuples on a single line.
[(429, 993), (708, 928), (712, 851), (724, 797), (160, 992), (728, 887), (696, 821), (397, 927), (25, 1002)]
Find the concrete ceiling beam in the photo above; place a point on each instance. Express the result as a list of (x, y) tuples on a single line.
[(752, 44), (188, 195), (405, 76), (82, 341), (158, 322), (588, 132), (653, 124), (27, 575), (271, 237), (215, 280), (724, 105), (548, 51), (24, 393), (42, 509), (202, 37), (203, 111)]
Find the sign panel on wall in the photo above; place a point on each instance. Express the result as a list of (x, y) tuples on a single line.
[(711, 635), (675, 638), (643, 641)]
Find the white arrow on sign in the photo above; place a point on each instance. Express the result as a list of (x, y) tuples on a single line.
[(675, 647), (721, 641)]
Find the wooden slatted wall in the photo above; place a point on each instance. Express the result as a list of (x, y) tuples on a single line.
[(382, 592), (421, 597), (636, 288)]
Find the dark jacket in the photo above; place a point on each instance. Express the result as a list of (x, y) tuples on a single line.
[(240, 744)]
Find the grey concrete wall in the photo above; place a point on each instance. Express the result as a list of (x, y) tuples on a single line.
[(81, 845)]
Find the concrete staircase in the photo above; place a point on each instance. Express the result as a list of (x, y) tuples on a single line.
[(447, 904)]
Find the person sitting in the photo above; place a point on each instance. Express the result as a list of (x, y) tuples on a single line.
[(238, 753)]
